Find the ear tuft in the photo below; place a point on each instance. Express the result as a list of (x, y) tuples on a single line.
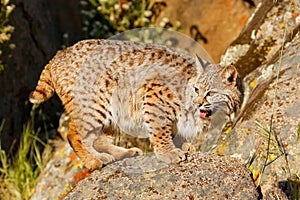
[(201, 64), (229, 75)]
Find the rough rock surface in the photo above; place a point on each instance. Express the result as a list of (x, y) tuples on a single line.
[(61, 173), (201, 176), (273, 105), (272, 24)]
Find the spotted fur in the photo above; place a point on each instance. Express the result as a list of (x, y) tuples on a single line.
[(144, 90)]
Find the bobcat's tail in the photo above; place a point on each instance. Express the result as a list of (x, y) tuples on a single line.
[(44, 89)]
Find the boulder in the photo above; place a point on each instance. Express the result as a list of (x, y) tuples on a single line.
[(201, 176)]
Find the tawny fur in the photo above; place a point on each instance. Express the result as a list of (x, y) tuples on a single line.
[(144, 90)]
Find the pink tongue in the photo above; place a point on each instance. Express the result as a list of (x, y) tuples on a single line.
[(203, 114)]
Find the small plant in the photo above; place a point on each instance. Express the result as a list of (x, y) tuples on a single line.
[(276, 149), (104, 18), (19, 174), (5, 30)]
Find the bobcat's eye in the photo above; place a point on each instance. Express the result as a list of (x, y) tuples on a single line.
[(208, 93)]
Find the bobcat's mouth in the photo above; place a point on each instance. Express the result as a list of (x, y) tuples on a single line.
[(205, 114)]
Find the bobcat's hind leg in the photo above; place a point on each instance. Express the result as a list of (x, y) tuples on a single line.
[(75, 140), (104, 143)]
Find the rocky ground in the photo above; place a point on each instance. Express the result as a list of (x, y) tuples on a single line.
[(201, 176)]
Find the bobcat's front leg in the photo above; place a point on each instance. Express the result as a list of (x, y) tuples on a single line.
[(164, 148), (159, 115)]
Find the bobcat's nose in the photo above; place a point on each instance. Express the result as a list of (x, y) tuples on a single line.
[(199, 101)]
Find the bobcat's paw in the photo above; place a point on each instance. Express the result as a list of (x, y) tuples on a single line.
[(93, 164), (188, 147), (126, 153), (106, 158), (135, 152), (173, 156)]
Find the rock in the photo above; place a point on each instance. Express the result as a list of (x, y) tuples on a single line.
[(273, 104), (39, 29), (272, 24), (61, 173), (201, 176), (256, 53), (205, 22), (269, 44)]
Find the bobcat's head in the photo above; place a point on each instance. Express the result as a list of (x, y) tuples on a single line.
[(216, 90)]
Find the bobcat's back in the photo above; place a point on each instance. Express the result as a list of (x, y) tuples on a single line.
[(105, 64)]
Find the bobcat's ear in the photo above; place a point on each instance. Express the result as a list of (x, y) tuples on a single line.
[(229, 75), (200, 64)]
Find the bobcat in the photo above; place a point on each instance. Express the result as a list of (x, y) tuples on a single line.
[(144, 90)]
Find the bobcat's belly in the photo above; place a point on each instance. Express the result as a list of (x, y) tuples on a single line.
[(131, 128), (127, 115)]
